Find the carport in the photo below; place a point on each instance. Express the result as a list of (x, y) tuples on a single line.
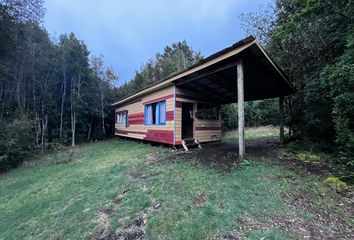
[(242, 72)]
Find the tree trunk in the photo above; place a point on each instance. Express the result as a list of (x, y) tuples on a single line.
[(38, 129), (291, 132), (62, 103), (72, 109), (89, 131), (102, 112), (44, 130)]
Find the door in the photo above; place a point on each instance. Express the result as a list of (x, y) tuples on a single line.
[(187, 120)]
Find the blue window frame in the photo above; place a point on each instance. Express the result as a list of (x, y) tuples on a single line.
[(155, 113)]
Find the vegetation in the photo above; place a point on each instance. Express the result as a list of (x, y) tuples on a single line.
[(123, 187), (313, 42), (64, 92), (51, 84), (175, 58), (16, 142), (252, 134), (258, 113)]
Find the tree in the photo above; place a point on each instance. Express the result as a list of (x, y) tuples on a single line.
[(175, 57), (104, 76), (312, 40), (50, 83)]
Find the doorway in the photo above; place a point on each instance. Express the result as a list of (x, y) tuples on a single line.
[(187, 120)]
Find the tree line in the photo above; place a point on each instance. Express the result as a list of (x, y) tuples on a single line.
[(313, 41), (51, 92)]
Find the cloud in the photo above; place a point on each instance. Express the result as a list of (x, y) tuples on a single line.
[(128, 32)]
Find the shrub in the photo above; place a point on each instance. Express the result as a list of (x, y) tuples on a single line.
[(337, 183), (16, 142)]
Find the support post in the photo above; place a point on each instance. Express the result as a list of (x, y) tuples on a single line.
[(281, 120), (241, 110)]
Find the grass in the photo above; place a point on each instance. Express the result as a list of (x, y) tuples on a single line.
[(63, 196), (252, 134)]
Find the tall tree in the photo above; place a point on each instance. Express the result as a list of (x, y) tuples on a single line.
[(104, 76), (312, 41)]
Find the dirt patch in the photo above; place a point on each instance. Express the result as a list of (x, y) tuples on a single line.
[(291, 162), (216, 157), (152, 156), (332, 225), (222, 156), (104, 219), (135, 230), (200, 200), (292, 225), (132, 231), (141, 176)]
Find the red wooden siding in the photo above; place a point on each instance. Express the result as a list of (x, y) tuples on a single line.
[(178, 104), (126, 132), (159, 99), (136, 119), (169, 116), (164, 136)]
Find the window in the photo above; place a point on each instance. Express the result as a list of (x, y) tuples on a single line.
[(155, 113), (207, 111), (122, 117)]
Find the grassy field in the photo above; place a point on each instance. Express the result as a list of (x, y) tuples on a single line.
[(253, 134), (126, 190)]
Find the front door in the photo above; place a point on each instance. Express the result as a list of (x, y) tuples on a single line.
[(187, 120)]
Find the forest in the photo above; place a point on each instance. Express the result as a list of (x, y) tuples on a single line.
[(54, 93)]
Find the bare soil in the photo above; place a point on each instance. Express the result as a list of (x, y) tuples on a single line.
[(224, 157)]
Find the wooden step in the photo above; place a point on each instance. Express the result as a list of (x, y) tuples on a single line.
[(189, 143)]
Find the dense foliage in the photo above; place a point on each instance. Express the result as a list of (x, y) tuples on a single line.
[(258, 113), (16, 142), (64, 94), (313, 41)]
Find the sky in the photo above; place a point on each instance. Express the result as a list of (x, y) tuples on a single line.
[(129, 32)]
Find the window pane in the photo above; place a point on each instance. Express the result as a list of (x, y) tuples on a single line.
[(149, 114), (163, 112), (153, 113)]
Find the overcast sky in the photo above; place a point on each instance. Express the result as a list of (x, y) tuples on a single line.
[(129, 32)]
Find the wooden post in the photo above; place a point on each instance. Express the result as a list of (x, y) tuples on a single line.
[(241, 110), (281, 120)]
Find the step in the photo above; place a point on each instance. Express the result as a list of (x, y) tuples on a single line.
[(188, 143)]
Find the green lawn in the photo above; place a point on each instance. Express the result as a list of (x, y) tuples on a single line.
[(109, 189), (253, 134)]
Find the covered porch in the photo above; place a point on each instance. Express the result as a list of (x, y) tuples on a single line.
[(240, 73)]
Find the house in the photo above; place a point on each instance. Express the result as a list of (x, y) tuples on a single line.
[(187, 104)]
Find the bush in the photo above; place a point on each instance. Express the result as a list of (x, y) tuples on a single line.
[(16, 142)]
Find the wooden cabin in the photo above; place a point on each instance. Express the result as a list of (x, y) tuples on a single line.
[(187, 104)]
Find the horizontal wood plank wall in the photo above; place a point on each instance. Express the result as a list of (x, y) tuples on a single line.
[(204, 130), (137, 129)]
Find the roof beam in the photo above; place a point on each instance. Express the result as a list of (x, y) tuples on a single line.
[(206, 90)]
